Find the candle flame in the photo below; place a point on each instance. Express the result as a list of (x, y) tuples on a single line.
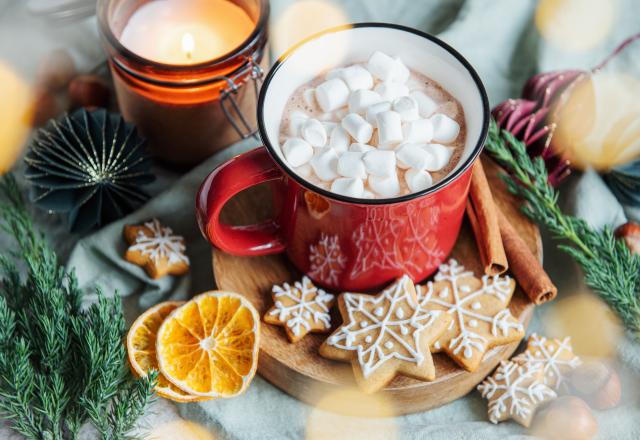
[(188, 44)]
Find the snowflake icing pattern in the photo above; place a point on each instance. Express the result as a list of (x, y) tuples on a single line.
[(420, 247), (326, 260), (162, 243)]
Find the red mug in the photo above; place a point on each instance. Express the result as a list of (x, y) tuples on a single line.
[(343, 243)]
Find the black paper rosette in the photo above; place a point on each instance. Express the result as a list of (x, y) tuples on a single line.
[(90, 165), (624, 181)]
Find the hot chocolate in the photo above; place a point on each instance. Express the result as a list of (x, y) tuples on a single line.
[(372, 130)]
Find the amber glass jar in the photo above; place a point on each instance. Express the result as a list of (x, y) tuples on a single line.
[(187, 112)]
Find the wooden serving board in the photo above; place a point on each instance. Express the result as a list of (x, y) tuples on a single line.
[(300, 371)]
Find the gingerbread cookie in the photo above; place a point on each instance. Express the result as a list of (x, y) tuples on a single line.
[(155, 248), (555, 356), (515, 391), (479, 307), (300, 309), (385, 334)]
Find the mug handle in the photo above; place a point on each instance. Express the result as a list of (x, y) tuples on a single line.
[(226, 181)]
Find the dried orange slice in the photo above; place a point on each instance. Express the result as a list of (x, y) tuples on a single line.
[(209, 346), (141, 349)]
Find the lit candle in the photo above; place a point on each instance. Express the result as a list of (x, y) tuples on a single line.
[(183, 32), (16, 111)]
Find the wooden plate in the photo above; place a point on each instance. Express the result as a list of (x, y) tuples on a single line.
[(297, 368)]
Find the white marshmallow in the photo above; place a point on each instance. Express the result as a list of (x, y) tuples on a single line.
[(326, 117), (426, 105), (340, 139), (357, 127), (407, 107), (385, 68), (366, 194), (304, 171), (332, 94), (373, 111), (348, 186), (360, 100), (329, 126), (418, 180), (361, 148), (445, 129), (412, 155), (440, 156), (296, 120), (357, 78), (314, 132), (341, 113), (297, 151), (391, 91), (350, 164), (334, 73), (309, 97), (420, 130), (389, 128), (325, 164), (385, 187), (380, 163)]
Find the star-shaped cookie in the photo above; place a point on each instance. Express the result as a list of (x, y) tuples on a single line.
[(515, 391), (156, 248), (555, 356), (479, 308), (300, 309), (385, 334)]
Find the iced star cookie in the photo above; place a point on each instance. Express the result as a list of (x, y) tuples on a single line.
[(515, 391), (384, 335), (156, 248), (479, 308), (300, 309), (555, 356)]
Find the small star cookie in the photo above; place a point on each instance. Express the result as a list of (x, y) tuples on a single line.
[(300, 309), (515, 391), (157, 249), (384, 335), (479, 307), (554, 355)]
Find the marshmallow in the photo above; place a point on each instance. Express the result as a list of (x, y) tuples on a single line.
[(389, 128), (440, 156), (325, 164), (414, 156), (418, 131), (297, 151), (445, 129), (334, 73), (392, 91), (340, 139), (350, 164), (373, 111), (296, 120), (426, 105), (314, 132), (341, 113), (418, 180), (357, 127), (304, 171), (361, 148), (360, 100), (329, 126), (407, 107), (309, 97), (357, 78), (388, 69), (385, 187), (380, 163), (366, 194), (332, 94), (348, 186)]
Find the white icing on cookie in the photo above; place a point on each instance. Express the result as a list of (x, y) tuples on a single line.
[(162, 243)]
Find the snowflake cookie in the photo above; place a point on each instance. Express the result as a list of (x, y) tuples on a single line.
[(385, 334), (554, 355), (515, 391), (300, 309), (479, 308), (157, 249)]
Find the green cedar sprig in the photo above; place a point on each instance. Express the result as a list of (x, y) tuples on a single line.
[(61, 365), (610, 268)]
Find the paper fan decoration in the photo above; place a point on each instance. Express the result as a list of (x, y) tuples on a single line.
[(90, 166)]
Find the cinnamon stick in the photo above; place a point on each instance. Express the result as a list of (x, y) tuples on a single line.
[(483, 216), (524, 266)]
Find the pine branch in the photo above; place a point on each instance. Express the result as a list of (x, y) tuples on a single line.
[(610, 268)]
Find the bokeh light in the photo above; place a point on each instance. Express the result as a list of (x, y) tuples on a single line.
[(575, 25), (16, 113)]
